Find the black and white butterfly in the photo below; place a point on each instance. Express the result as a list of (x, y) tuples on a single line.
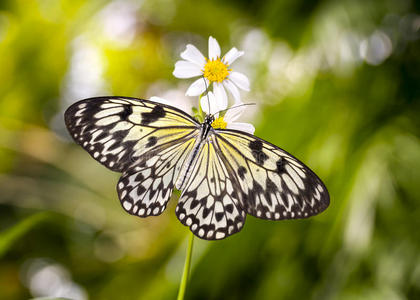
[(223, 174)]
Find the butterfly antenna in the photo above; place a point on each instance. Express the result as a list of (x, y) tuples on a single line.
[(208, 99), (243, 104)]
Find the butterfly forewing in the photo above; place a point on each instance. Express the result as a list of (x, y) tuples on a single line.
[(117, 131), (274, 185)]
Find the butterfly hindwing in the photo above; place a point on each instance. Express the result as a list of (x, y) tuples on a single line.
[(274, 185), (145, 188), (117, 131), (209, 203)]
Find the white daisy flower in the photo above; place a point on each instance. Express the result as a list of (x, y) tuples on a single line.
[(215, 69), (228, 120)]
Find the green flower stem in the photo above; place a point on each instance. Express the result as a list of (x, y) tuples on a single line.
[(186, 271), (201, 114)]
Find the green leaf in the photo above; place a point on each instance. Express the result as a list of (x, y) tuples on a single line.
[(10, 235)]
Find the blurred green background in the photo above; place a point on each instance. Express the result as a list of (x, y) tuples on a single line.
[(337, 84)]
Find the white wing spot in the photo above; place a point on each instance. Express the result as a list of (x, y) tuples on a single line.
[(291, 185), (231, 229), (203, 191), (210, 202), (108, 112), (127, 205), (229, 187), (220, 235), (296, 178), (107, 120), (319, 187), (317, 195), (299, 171), (147, 172), (109, 105)]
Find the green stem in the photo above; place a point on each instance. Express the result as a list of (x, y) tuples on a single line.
[(186, 271)]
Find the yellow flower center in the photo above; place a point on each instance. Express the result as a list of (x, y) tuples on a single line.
[(219, 123), (216, 70)]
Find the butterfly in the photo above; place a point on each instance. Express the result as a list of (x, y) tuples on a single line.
[(223, 174)]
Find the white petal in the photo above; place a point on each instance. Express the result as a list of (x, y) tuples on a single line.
[(192, 54), (186, 69), (233, 90), (214, 48), (234, 112), (204, 102), (232, 55), (242, 127), (197, 87), (220, 95), (160, 100), (240, 80)]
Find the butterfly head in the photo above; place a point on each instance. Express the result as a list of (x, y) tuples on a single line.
[(209, 119)]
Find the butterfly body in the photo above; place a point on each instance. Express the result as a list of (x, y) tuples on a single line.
[(223, 174), (205, 130)]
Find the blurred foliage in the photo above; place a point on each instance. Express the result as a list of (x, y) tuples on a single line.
[(337, 85)]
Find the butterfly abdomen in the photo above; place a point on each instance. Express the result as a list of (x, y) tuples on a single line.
[(188, 167)]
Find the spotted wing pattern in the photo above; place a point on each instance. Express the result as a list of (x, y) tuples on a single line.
[(118, 131), (145, 188), (146, 141), (273, 184), (209, 203)]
